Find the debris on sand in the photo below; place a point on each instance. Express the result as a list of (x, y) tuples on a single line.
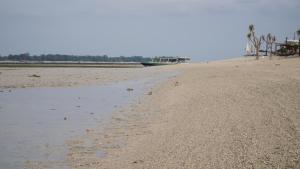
[(277, 64), (65, 118), (149, 93), (138, 161), (176, 83), (34, 75), (129, 89)]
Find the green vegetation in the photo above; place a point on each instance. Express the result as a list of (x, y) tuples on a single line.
[(58, 57)]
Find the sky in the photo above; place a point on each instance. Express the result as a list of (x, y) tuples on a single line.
[(200, 29)]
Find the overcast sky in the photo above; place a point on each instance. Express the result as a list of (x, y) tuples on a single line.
[(202, 29)]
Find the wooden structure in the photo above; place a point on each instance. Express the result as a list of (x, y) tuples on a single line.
[(290, 47)]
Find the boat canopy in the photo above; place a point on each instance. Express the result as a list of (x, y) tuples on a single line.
[(171, 59)]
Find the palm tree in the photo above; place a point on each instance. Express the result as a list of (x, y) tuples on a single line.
[(251, 28), (255, 40), (270, 40)]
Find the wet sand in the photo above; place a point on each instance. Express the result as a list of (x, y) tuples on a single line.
[(19, 77), (238, 113), (35, 123)]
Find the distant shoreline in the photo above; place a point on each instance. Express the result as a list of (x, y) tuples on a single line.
[(70, 64)]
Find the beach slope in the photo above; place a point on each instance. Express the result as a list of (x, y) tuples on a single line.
[(228, 114)]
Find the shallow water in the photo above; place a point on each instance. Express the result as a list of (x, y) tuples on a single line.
[(36, 122)]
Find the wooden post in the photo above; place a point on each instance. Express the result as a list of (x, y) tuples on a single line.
[(266, 49)]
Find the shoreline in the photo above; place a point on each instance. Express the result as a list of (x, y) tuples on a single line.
[(116, 133), (69, 64), (80, 110)]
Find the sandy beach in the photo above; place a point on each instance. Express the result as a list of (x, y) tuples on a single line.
[(238, 113)]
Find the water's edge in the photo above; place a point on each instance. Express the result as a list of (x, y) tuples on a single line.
[(37, 122)]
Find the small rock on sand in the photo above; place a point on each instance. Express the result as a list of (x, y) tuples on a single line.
[(34, 75), (138, 161), (65, 118), (149, 93)]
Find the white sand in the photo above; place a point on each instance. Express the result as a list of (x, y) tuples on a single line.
[(227, 114)]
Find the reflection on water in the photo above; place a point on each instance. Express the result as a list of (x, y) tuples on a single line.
[(36, 122)]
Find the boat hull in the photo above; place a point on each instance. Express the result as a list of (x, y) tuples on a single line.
[(156, 63)]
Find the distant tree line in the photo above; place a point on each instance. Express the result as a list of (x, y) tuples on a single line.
[(58, 57)]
